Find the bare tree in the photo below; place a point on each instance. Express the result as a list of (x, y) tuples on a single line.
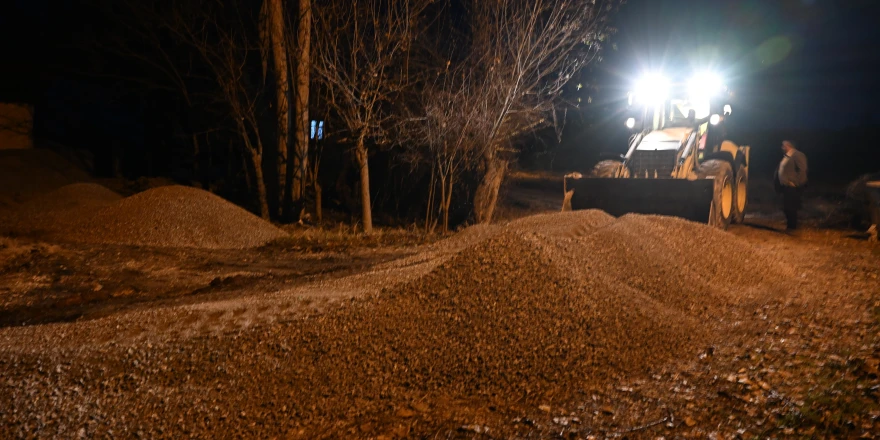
[(525, 53), (274, 36), (301, 168), (151, 61), (204, 53), (318, 103), (443, 131), (362, 52), (220, 35)]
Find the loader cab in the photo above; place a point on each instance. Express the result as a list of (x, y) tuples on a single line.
[(702, 103)]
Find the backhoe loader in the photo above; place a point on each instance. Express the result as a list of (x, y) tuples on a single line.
[(680, 161)]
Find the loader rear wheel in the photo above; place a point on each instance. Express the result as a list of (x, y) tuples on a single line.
[(741, 193), (721, 212), (610, 168)]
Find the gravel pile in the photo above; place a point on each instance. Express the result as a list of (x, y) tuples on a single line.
[(168, 216), (693, 267), (73, 196), (27, 173), (538, 310), (511, 311), (562, 224), (56, 210), (176, 216)]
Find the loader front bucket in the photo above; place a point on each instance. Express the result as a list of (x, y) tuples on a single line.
[(688, 199)]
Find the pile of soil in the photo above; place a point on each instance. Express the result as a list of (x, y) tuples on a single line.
[(56, 210), (562, 224), (73, 196), (540, 310), (504, 316), (176, 216), (168, 216), (695, 268), (132, 187), (27, 173)]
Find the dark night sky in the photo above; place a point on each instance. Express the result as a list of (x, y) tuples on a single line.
[(794, 63)]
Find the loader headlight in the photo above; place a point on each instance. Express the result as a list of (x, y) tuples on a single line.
[(727, 109), (714, 119), (705, 85), (631, 122), (652, 89)]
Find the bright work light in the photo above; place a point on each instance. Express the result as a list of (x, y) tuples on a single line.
[(652, 89), (704, 85), (630, 123)]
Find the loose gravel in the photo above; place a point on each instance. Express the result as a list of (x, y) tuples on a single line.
[(168, 216), (27, 173), (540, 309)]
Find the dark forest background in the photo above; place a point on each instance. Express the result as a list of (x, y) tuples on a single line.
[(805, 70)]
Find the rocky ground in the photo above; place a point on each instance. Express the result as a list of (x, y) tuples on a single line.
[(566, 325)]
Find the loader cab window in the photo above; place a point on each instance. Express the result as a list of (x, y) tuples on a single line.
[(678, 109), (674, 113)]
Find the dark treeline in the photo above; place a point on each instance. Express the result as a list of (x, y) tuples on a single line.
[(406, 110)]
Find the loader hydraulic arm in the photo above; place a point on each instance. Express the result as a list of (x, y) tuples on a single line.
[(689, 145), (637, 139)]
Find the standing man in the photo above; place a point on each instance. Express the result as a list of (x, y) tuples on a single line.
[(790, 178)]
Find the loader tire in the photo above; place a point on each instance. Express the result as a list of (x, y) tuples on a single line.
[(721, 212), (741, 193), (609, 168)]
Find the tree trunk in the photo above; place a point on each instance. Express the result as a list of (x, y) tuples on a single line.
[(282, 91), (443, 201), (486, 197), (257, 161), (319, 210), (363, 164), (303, 66), (429, 212), (446, 203)]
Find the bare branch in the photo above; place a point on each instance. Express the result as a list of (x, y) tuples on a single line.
[(361, 58)]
